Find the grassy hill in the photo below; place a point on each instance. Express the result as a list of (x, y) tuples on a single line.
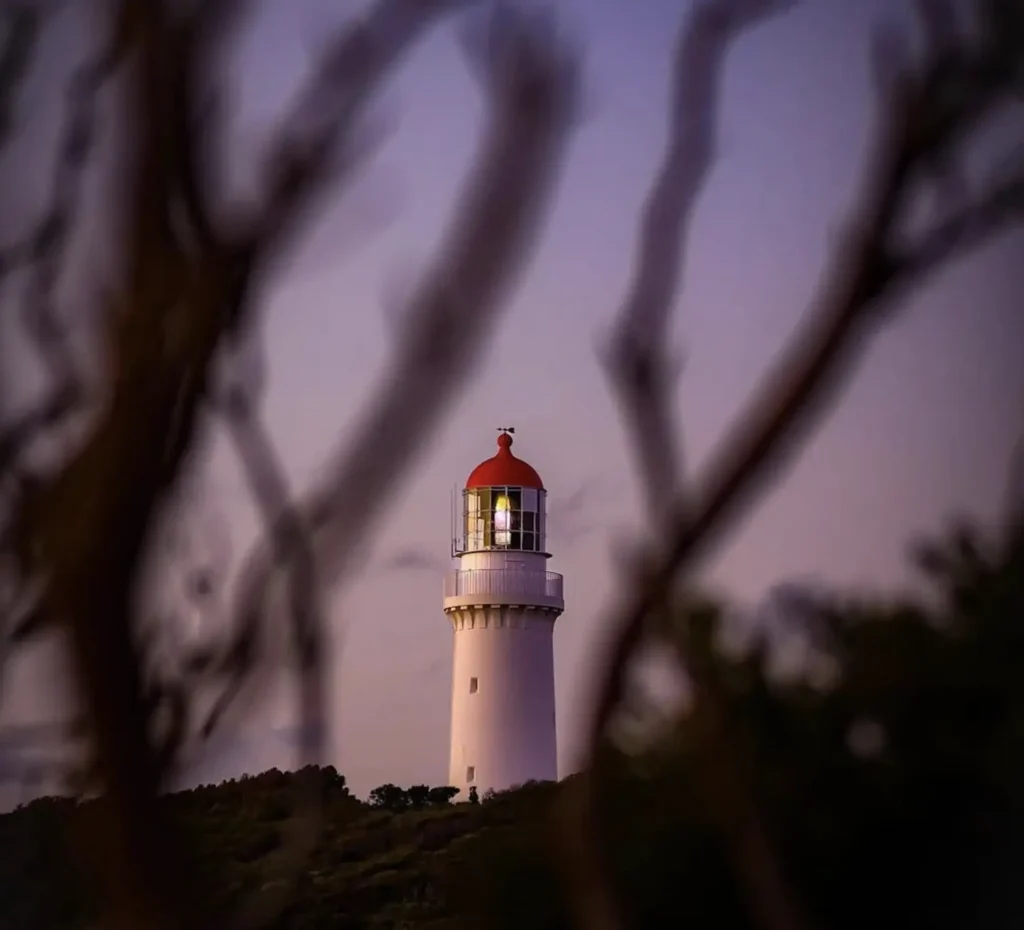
[(373, 867)]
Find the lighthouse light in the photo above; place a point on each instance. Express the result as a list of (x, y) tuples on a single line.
[(502, 518), (502, 521)]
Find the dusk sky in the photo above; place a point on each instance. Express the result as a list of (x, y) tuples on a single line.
[(925, 430)]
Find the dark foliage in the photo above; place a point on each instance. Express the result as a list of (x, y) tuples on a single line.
[(392, 798), (894, 796)]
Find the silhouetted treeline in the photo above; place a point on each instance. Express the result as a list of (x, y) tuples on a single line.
[(393, 798)]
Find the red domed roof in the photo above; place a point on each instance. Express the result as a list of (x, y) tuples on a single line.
[(504, 470)]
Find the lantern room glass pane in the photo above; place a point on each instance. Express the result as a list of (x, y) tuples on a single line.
[(503, 518), (542, 519)]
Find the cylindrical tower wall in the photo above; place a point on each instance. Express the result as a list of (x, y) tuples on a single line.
[(503, 698)]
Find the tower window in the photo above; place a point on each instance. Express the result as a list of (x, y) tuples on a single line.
[(470, 773), (474, 686)]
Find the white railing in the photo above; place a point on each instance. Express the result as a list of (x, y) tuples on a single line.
[(503, 582)]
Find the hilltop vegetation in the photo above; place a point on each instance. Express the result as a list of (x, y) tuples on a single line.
[(894, 795), (386, 862)]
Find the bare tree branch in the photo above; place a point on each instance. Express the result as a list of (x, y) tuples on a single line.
[(532, 90), (21, 35), (638, 357), (186, 289), (927, 113), (643, 373), (1001, 205), (319, 136), (293, 553), (44, 253), (194, 43), (159, 381), (863, 271)]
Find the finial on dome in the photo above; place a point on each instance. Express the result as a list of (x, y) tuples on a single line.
[(504, 469)]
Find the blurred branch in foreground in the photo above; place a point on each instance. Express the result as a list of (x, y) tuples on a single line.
[(189, 283), (930, 110)]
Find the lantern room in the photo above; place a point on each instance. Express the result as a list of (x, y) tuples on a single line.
[(503, 506)]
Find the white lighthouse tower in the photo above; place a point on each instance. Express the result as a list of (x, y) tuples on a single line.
[(502, 604)]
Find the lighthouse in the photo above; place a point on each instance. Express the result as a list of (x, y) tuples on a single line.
[(502, 604)]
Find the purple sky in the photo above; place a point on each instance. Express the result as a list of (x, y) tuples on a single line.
[(925, 430)]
